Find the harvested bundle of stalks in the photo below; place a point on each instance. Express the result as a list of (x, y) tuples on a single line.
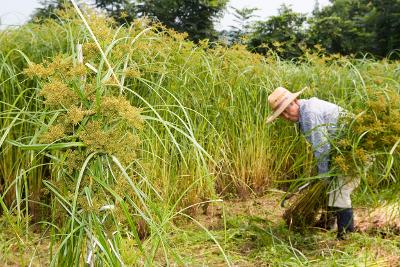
[(384, 218), (303, 212)]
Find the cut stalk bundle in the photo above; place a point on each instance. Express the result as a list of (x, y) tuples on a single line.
[(303, 212)]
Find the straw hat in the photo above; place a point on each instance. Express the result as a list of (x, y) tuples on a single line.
[(279, 100)]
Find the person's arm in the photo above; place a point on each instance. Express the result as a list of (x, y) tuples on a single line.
[(316, 133)]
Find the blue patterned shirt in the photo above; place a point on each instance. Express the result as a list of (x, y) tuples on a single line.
[(318, 122)]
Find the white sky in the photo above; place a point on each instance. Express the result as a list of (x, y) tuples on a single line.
[(16, 12)]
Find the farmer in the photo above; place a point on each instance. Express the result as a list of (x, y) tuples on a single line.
[(318, 122)]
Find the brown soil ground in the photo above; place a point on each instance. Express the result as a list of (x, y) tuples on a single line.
[(367, 220)]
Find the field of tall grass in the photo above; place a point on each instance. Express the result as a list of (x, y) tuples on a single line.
[(113, 137)]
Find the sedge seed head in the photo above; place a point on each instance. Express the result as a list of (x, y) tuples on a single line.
[(119, 106), (57, 93), (54, 133)]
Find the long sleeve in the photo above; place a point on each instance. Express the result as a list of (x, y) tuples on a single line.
[(316, 133)]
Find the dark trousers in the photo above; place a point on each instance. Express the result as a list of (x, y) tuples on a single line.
[(345, 221), (343, 216)]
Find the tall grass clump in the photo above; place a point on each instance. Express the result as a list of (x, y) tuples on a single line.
[(100, 202)]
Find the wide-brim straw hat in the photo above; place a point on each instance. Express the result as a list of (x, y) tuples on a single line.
[(280, 99)]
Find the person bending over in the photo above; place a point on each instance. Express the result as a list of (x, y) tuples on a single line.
[(318, 122)]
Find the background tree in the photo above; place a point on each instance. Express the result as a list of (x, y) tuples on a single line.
[(243, 19), (354, 26), (121, 10), (282, 33), (196, 17), (341, 27), (384, 18), (47, 10)]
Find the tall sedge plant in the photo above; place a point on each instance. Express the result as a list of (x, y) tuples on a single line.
[(96, 126)]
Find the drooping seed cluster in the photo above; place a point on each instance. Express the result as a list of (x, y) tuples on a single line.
[(375, 130)]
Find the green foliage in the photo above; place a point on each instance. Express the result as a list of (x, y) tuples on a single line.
[(334, 35), (349, 26), (384, 18), (196, 17), (345, 27), (284, 33), (122, 11), (48, 9)]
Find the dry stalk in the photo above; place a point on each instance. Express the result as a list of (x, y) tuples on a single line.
[(304, 210)]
